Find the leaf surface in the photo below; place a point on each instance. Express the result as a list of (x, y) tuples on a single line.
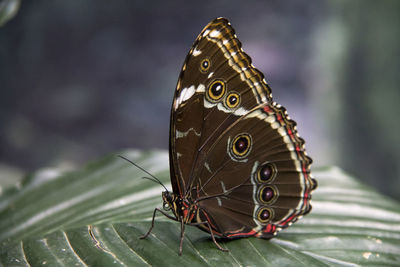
[(95, 216)]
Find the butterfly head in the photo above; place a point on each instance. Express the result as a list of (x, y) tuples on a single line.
[(172, 202), (183, 209), (169, 200)]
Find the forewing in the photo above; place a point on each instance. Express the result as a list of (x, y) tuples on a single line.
[(197, 118)]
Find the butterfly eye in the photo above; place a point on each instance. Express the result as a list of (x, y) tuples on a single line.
[(216, 90), (205, 65), (241, 145), (166, 206), (232, 100), (264, 215), (266, 173), (267, 194)]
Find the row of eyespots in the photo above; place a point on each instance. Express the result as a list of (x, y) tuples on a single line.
[(267, 193), (216, 90), (239, 148)]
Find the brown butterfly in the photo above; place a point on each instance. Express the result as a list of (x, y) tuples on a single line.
[(238, 167)]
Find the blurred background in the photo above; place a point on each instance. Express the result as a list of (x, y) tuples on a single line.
[(80, 79)]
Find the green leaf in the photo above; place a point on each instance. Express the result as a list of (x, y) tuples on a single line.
[(8, 9), (96, 215)]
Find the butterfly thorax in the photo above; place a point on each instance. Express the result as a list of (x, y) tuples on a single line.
[(183, 209)]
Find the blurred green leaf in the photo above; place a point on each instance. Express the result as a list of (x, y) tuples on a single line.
[(95, 216), (8, 9)]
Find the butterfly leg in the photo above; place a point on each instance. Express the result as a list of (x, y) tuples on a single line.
[(212, 235), (152, 221), (182, 236)]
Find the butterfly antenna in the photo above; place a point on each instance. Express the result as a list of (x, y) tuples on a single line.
[(151, 178), (156, 181)]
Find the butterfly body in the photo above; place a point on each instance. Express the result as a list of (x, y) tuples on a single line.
[(238, 167)]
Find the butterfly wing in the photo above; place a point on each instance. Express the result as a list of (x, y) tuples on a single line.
[(198, 115), (232, 149)]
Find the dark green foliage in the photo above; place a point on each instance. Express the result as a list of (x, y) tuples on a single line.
[(96, 215)]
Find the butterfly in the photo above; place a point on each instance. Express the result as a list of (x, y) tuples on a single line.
[(238, 166)]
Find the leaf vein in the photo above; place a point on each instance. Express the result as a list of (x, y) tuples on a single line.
[(134, 252)]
